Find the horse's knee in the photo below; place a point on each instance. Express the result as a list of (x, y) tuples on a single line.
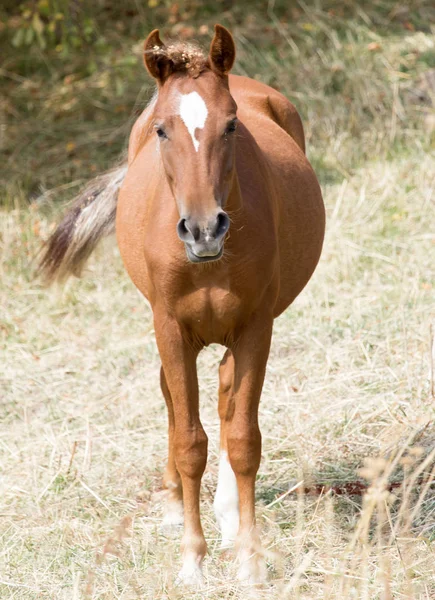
[(244, 447), (190, 448)]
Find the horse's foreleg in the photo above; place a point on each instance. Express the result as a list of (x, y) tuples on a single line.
[(189, 438), (171, 478), (244, 439), (226, 502)]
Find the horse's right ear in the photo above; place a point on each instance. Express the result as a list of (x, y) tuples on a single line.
[(158, 64), (222, 51)]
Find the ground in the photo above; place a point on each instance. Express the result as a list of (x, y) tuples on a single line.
[(349, 392)]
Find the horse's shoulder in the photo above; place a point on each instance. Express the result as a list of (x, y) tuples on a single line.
[(251, 94)]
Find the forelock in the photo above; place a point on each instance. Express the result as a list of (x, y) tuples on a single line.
[(185, 57)]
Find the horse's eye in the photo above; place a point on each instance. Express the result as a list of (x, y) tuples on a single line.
[(231, 127), (161, 133)]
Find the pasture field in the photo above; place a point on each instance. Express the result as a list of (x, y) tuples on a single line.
[(346, 488)]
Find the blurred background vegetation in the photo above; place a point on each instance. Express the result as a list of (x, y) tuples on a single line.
[(72, 79)]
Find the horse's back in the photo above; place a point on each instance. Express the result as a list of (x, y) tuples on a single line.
[(277, 129), (257, 97)]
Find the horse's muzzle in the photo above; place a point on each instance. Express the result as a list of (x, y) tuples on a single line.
[(205, 256), (204, 240)]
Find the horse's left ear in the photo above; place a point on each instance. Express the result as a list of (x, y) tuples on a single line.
[(222, 51)]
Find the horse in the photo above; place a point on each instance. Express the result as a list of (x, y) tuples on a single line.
[(220, 223)]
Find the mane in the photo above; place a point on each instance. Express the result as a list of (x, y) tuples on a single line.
[(185, 56)]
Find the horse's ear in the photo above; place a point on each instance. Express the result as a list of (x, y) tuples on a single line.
[(157, 63), (222, 51)]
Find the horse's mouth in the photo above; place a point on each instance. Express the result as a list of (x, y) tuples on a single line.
[(194, 258)]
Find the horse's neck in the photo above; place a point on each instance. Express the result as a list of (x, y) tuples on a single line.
[(141, 130)]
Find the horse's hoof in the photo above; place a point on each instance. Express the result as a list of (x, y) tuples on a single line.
[(252, 569), (190, 574)]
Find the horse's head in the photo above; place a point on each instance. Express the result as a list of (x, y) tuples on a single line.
[(194, 121)]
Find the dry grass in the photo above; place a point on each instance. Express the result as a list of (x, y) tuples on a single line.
[(83, 438)]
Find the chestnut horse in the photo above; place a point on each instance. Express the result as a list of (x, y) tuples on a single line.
[(220, 223)]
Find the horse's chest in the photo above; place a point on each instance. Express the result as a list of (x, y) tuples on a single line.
[(211, 314)]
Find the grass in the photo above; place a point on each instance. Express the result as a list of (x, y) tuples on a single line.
[(348, 386)]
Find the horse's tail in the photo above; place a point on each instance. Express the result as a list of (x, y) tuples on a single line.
[(90, 218)]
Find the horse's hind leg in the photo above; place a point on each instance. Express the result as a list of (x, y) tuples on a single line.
[(226, 502), (171, 478)]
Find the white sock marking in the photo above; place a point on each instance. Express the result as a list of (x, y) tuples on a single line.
[(193, 112), (226, 502)]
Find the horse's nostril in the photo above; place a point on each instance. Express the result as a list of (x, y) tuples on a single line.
[(183, 231), (223, 224), (186, 231), (189, 231)]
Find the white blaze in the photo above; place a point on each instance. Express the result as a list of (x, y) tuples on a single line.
[(193, 112), (226, 502)]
